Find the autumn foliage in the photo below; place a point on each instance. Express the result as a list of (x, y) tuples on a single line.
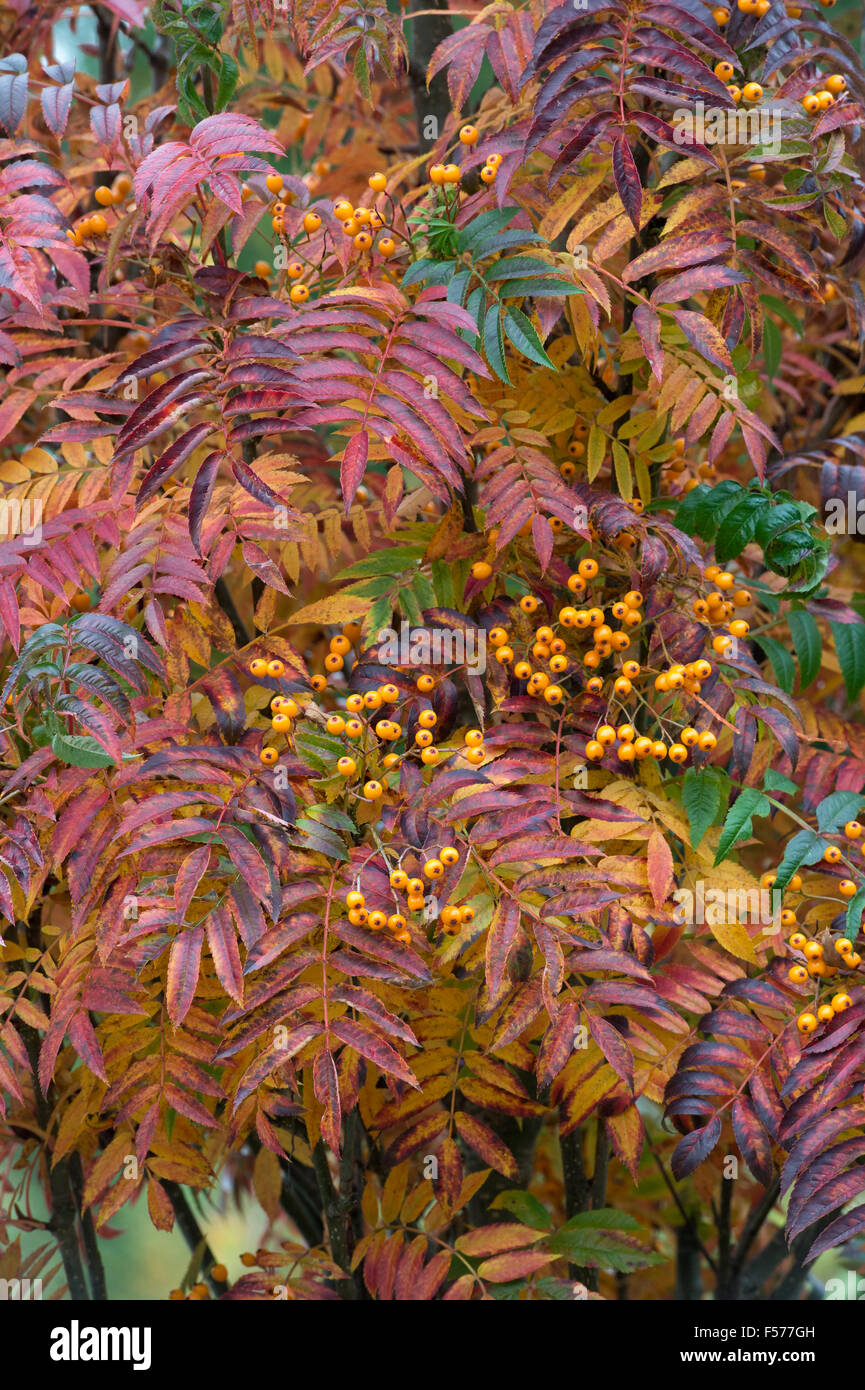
[(432, 742)]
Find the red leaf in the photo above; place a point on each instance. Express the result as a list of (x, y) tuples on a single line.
[(500, 939), (184, 961), (627, 179), (325, 1085), (704, 336), (375, 1048), (501, 1269), (659, 868), (614, 1048), (222, 941), (353, 466), (694, 1148), (486, 1144)]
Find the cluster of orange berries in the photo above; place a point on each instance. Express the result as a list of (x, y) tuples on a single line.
[(283, 708), (813, 964), (361, 223), (359, 708), (96, 225), (442, 174), (634, 748), (200, 1292), (760, 8), (751, 92), (717, 609), (452, 917), (821, 100)]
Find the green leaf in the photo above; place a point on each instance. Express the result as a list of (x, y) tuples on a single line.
[(775, 781), (546, 288), (738, 527), (361, 73), (410, 607), (806, 847), (443, 584), (836, 809), (738, 824), (522, 336), (509, 267), (229, 74), (524, 1207), (332, 816), (782, 662), (849, 639), (494, 343), (834, 221), (855, 908), (393, 561), (489, 222), (806, 644), (602, 1240), (80, 750), (704, 792), (777, 306), (772, 347)]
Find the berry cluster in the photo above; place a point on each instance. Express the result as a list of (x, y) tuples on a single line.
[(414, 890), (96, 224), (360, 223), (824, 959)]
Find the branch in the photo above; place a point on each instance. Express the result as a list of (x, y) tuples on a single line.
[(195, 1238), (433, 101), (92, 1253)]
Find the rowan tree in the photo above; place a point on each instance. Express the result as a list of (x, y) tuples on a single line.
[(433, 644)]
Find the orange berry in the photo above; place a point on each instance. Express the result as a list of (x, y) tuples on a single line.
[(311, 222), (377, 182), (273, 183), (268, 756), (468, 135), (806, 1023), (373, 790), (299, 294)]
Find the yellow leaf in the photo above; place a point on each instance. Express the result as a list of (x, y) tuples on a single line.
[(338, 608), (569, 203), (735, 939)]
